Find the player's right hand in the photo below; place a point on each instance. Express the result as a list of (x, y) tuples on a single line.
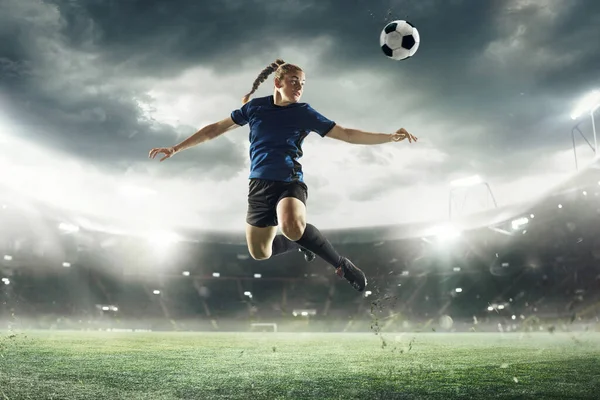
[(167, 151)]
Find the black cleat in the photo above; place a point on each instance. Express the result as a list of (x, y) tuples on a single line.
[(353, 274), (308, 255)]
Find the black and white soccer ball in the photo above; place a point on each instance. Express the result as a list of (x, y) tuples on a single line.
[(399, 40)]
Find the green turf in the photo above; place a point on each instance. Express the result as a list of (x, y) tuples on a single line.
[(94, 365)]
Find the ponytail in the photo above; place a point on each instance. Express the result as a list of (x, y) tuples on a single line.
[(274, 66)]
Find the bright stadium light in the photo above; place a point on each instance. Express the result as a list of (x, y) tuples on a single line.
[(66, 264), (216, 274), (156, 292), (257, 275), (162, 241), (7, 257), (186, 273), (589, 104), (458, 290), (445, 233), (519, 223), (163, 238)]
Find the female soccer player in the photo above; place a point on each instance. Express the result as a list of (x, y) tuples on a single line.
[(277, 192)]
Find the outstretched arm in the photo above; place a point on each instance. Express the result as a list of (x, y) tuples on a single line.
[(356, 136), (206, 133)]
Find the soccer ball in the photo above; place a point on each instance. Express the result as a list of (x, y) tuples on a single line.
[(399, 40)]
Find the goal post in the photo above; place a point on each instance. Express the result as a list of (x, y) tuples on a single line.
[(257, 325)]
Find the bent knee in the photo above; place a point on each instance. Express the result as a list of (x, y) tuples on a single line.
[(260, 252), (293, 229)]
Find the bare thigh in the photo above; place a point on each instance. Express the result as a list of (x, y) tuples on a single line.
[(260, 241), (291, 214)]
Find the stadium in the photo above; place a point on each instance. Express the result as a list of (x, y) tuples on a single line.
[(483, 305), (432, 137)]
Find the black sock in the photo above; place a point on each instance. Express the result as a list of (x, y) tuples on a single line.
[(282, 245), (314, 241)]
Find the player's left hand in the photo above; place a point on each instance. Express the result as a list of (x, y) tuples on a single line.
[(402, 134)]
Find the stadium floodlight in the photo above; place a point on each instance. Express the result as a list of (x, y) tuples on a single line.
[(216, 274), (162, 242), (519, 223), (66, 264), (257, 275), (6, 281), (156, 292), (458, 290), (163, 237), (589, 104), (444, 233), (7, 257), (247, 293), (186, 273)]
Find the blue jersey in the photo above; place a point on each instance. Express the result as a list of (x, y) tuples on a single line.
[(276, 136)]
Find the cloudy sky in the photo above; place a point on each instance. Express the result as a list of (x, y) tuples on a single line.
[(88, 87)]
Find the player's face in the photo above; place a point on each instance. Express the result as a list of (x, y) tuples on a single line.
[(292, 86)]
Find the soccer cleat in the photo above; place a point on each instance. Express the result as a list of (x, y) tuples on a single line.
[(353, 274), (308, 255)]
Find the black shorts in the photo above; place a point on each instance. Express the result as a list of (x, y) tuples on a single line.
[(264, 195)]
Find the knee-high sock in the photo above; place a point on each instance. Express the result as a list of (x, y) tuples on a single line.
[(282, 245), (313, 240)]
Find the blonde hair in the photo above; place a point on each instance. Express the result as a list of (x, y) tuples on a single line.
[(280, 67)]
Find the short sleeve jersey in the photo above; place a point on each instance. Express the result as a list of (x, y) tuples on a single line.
[(276, 136)]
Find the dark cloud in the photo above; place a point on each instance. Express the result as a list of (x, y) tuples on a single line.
[(64, 100), (500, 77)]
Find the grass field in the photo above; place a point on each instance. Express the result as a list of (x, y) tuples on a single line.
[(96, 365)]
